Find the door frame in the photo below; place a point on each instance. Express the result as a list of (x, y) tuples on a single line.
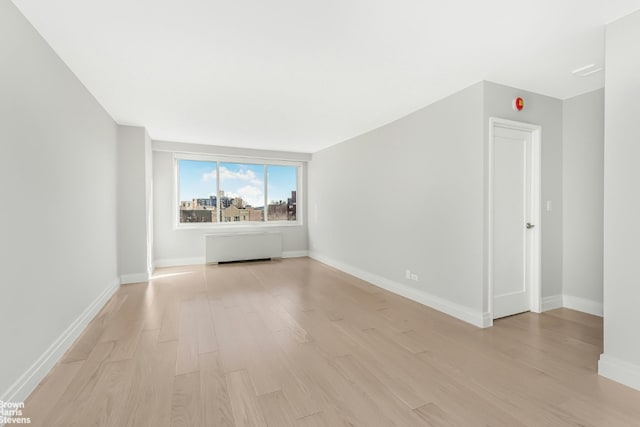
[(535, 248)]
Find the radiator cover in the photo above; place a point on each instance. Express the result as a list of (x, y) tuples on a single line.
[(225, 247)]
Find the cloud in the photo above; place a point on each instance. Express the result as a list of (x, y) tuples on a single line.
[(209, 176), (242, 174), (250, 194), (251, 186)]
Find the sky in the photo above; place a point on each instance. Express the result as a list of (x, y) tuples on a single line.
[(198, 180)]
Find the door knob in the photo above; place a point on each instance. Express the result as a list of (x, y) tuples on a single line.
[(529, 225)]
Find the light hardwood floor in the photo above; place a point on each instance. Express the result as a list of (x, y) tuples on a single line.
[(294, 342)]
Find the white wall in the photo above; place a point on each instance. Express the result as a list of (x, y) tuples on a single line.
[(135, 233), (621, 358), (411, 195), (58, 188), (546, 112), (583, 199), (185, 246), (408, 195)]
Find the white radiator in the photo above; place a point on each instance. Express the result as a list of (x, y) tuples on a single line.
[(242, 246)]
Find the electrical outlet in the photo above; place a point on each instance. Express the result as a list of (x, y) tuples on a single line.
[(407, 274), (414, 277)]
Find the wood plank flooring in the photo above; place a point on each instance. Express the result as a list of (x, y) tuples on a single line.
[(296, 343)]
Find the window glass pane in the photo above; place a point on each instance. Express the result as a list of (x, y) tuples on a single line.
[(197, 191), (282, 183), (241, 192)]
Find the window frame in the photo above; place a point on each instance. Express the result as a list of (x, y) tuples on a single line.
[(240, 225)]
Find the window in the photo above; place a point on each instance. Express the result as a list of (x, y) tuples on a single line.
[(242, 191), (198, 191), (212, 191), (282, 193)]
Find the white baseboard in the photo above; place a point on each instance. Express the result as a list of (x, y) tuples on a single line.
[(551, 302), (295, 254), (574, 303), (619, 370), (582, 304), (177, 262), (126, 279), (30, 379), (469, 315)]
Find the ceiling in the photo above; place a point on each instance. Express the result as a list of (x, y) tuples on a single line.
[(301, 75)]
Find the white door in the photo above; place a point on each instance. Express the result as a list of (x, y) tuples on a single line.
[(515, 204)]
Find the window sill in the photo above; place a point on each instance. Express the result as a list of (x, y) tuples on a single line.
[(227, 227)]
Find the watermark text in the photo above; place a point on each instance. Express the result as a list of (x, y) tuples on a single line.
[(12, 413)]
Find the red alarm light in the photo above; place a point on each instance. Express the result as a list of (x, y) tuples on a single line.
[(518, 104)]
